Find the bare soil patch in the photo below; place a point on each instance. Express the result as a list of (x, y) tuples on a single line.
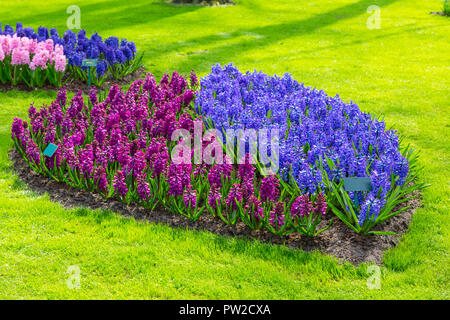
[(439, 13), (212, 3)]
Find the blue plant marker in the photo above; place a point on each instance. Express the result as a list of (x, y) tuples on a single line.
[(50, 150), (89, 63), (357, 184)]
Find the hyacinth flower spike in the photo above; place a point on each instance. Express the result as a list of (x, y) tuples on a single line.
[(278, 221), (362, 219), (306, 217)]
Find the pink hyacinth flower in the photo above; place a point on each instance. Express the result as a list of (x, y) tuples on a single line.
[(19, 57)]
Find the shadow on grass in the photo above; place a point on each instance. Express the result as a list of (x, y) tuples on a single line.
[(105, 15), (264, 36), (250, 248), (406, 29), (108, 14)]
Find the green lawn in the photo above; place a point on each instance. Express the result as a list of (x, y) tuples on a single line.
[(400, 71)]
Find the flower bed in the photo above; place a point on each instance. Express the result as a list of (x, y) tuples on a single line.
[(115, 58), (122, 146), (29, 61), (324, 140)]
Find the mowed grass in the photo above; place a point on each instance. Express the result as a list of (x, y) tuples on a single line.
[(399, 72)]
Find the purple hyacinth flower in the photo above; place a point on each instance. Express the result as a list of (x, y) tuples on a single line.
[(302, 206), (214, 198), (100, 178), (234, 195), (143, 187), (119, 184), (321, 205), (269, 189), (190, 197), (277, 217)]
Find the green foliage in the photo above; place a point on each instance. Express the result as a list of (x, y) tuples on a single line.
[(117, 71), (446, 7), (346, 210), (22, 74)]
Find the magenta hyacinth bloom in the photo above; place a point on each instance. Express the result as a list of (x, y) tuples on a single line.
[(100, 178), (277, 217), (214, 176), (86, 160), (177, 83), (93, 96), (302, 206), (269, 189), (321, 205), (187, 97), (247, 188), (142, 187), (17, 129), (76, 105), (234, 195), (62, 96), (32, 111), (217, 172), (37, 124), (246, 169), (50, 134), (138, 163), (190, 196), (179, 177), (54, 160), (257, 205), (214, 197), (186, 122), (194, 79), (119, 184), (32, 151)]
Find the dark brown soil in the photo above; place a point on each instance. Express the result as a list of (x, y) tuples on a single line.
[(204, 2), (440, 14), (75, 85), (339, 240)]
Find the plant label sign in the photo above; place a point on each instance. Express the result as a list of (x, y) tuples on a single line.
[(50, 150), (89, 63), (357, 184)]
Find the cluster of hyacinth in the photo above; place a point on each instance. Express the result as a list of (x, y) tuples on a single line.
[(115, 58), (122, 147), (119, 146), (24, 60), (258, 201), (313, 127)]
